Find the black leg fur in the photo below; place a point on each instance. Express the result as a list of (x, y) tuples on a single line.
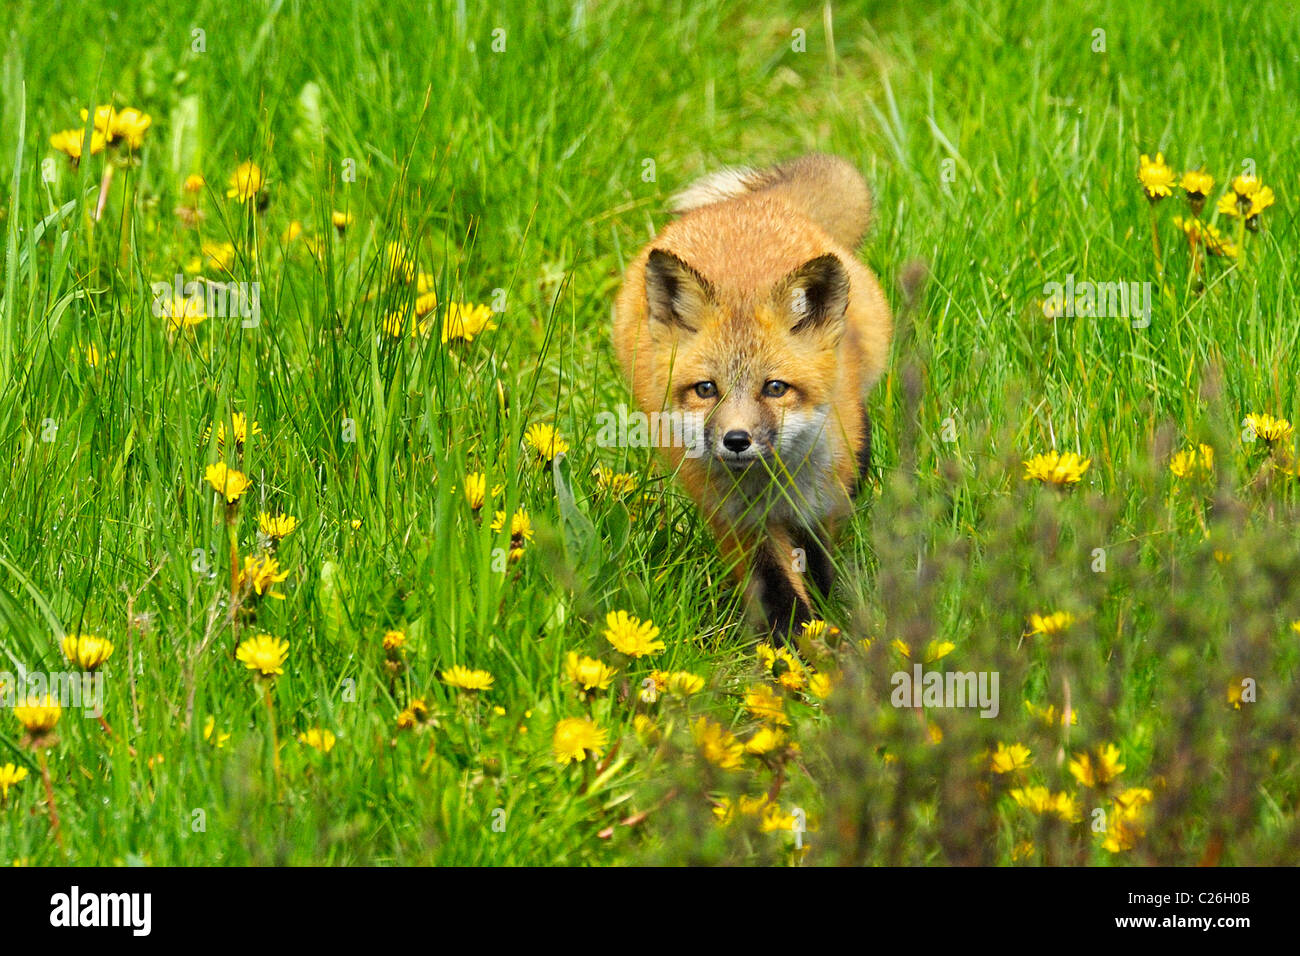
[(782, 606)]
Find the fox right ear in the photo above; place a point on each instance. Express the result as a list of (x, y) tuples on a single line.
[(675, 292)]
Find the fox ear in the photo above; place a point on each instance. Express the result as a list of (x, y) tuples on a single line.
[(676, 293), (818, 293)]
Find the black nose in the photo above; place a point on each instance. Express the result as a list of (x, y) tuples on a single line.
[(736, 441)]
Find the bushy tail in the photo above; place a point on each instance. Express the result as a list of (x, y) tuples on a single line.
[(828, 190)]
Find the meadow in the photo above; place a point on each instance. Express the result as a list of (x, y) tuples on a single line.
[(359, 580)]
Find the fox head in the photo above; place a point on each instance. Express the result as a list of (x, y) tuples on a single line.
[(758, 368)]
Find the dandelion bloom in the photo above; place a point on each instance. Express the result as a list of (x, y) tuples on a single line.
[(10, 776), (1049, 717), (545, 441), (130, 125), (1056, 469), (1269, 428), (318, 739), (1040, 800), (276, 526), (588, 672), (821, 684), (576, 736), (218, 256), (632, 636), (684, 683), (262, 573), (1008, 759), (765, 704), (1050, 625), (394, 641), (1197, 185), (86, 650), (264, 654), (467, 679), (1208, 236), (246, 182), (194, 183), (475, 489), (341, 220), (1193, 463), (521, 531), (934, 651), (183, 312), (464, 321), (396, 264), (765, 740), (213, 736), (239, 428), (718, 746), (226, 481), (1156, 177), (73, 141), (39, 715), (617, 483), (1098, 768)]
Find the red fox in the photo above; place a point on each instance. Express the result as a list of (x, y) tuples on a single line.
[(751, 313)]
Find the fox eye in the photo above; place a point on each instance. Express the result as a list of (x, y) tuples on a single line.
[(706, 389), (775, 389)]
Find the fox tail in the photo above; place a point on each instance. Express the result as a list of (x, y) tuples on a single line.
[(827, 189)]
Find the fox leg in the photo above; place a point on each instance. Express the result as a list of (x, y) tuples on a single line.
[(764, 562), (817, 560), (864, 454)]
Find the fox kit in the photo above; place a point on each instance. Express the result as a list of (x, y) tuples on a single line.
[(751, 314)]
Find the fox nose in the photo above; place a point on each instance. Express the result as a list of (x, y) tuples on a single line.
[(736, 441)]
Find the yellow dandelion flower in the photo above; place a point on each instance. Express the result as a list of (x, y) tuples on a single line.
[(341, 220), (261, 573), (575, 738), (545, 441), (128, 124), (194, 183), (464, 321), (218, 256), (226, 481), (292, 232), (38, 715), (466, 679), (394, 641), (765, 704), (1049, 717), (238, 427), (684, 683), (264, 654), (183, 313), (276, 526), (620, 484), (476, 490), (631, 636), (213, 736), (86, 650), (10, 776), (1269, 428), (1156, 177), (73, 141), (1098, 768), (588, 672), (645, 729), (1196, 185), (318, 738), (1193, 463), (396, 264), (246, 182), (765, 740), (1041, 801), (821, 684), (1050, 625), (1056, 469), (717, 745), (1009, 759)]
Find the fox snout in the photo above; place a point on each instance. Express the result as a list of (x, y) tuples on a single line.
[(737, 436)]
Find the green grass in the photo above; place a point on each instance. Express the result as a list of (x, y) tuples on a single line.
[(523, 177)]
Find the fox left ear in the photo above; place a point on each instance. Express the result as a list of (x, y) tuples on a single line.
[(818, 293)]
